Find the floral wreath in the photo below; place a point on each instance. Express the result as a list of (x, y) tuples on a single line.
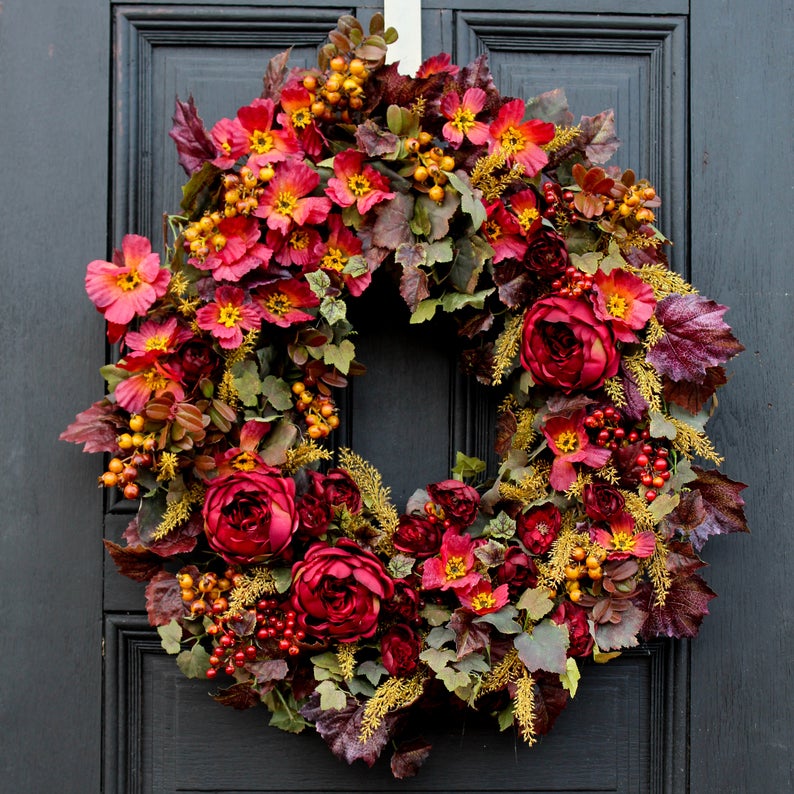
[(282, 568)]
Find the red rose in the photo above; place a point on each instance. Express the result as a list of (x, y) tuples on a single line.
[(538, 527), (250, 516), (337, 591), (602, 502), (417, 536), (404, 605), (458, 501), (518, 571), (566, 346), (547, 254), (341, 490), (575, 618), (399, 648)]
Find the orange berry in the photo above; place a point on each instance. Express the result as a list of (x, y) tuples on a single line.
[(421, 174), (109, 479), (436, 193), (124, 441), (425, 138), (136, 423), (310, 82), (338, 64), (116, 465), (575, 595), (332, 421), (357, 67), (316, 431), (299, 387), (578, 553)]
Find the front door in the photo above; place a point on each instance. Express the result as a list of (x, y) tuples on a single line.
[(108, 709)]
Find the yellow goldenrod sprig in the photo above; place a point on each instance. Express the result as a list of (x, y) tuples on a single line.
[(392, 694), (179, 510), (524, 708), (254, 583), (506, 348)]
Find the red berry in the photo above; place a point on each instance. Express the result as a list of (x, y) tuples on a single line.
[(229, 669), (665, 475), (650, 495), (293, 650), (284, 644), (660, 464), (642, 460), (211, 672), (646, 479)]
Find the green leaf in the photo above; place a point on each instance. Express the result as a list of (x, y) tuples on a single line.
[(503, 620), (333, 309), (420, 222), (277, 392), (466, 268), (113, 375), (425, 311), (355, 266), (453, 301), (340, 356), (327, 661), (438, 659), (440, 635), (587, 263), (285, 713), (501, 526), (570, 678), (318, 282), (473, 663), (331, 697), (439, 251), (663, 504), (401, 565), (466, 467), (283, 578), (247, 383), (545, 648), (171, 636), (435, 615), (453, 679), (536, 602), (470, 203), (195, 662), (505, 717), (439, 215), (661, 426), (373, 671), (613, 258)]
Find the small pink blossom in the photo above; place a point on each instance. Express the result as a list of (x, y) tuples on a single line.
[(483, 599), (520, 141), (622, 541), (341, 250), (568, 441), (454, 568), (228, 317), (503, 233), (286, 202), (357, 183), (281, 302), (152, 378), (625, 301), (301, 246), (462, 114), (234, 250)]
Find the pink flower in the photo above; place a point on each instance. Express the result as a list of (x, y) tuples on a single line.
[(157, 337), (231, 142), (152, 378), (301, 246), (298, 117), (625, 301), (341, 247), (520, 142), (234, 250), (228, 317), (282, 301), (130, 284), (461, 115), (503, 233), (483, 599), (286, 202), (437, 64), (622, 542), (265, 145), (569, 443), (525, 208), (356, 183), (454, 568)]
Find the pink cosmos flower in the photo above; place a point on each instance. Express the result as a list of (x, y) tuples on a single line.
[(298, 117), (281, 302), (265, 144), (483, 599), (231, 142), (301, 246), (461, 115), (235, 250), (130, 284), (503, 233), (622, 542), (154, 340), (341, 247), (152, 378), (356, 183), (625, 301), (454, 568), (228, 317), (525, 208), (437, 64), (519, 141), (286, 201), (569, 442)]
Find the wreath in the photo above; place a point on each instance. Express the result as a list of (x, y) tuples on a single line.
[(275, 562)]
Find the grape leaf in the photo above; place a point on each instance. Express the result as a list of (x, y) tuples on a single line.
[(195, 662), (599, 136), (331, 697), (411, 256), (275, 74), (134, 562), (171, 636), (551, 106), (239, 696), (96, 428), (614, 636), (545, 648), (469, 636), (695, 338), (503, 620), (693, 396), (570, 679), (683, 611), (277, 392), (340, 356), (408, 757), (193, 143), (550, 700), (375, 141), (392, 227), (413, 286), (164, 599), (453, 679), (722, 504), (268, 670), (536, 601)]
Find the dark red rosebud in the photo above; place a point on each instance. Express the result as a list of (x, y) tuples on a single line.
[(341, 490), (538, 527), (575, 618), (601, 501), (197, 360), (404, 605), (417, 537), (518, 571), (547, 254), (399, 649), (314, 515), (458, 501)]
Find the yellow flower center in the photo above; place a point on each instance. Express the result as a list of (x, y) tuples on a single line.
[(229, 316), (622, 541), (456, 567), (154, 380), (245, 461), (527, 217), (301, 118), (334, 260), (512, 141), (483, 601), (617, 306), (156, 343), (299, 240), (129, 280), (285, 203), (261, 142), (227, 147), (463, 120), (493, 229), (278, 304), (358, 185), (567, 441), (543, 528)]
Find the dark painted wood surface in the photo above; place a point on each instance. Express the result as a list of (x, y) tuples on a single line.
[(704, 100)]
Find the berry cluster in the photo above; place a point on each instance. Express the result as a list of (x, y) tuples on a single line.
[(634, 202), (583, 563), (559, 202), (573, 283), (654, 461), (204, 236), (340, 91), (319, 411), (429, 165), (242, 192), (137, 449), (205, 595)]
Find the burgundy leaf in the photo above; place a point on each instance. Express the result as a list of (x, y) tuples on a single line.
[(681, 559), (375, 141), (193, 143), (469, 636), (392, 227), (134, 562), (274, 78), (623, 634), (551, 106), (687, 516), (180, 540), (550, 700), (599, 136), (268, 670), (478, 362), (693, 396), (515, 284), (635, 406), (408, 757), (722, 503), (477, 75), (239, 696), (96, 428), (411, 255), (695, 337), (479, 323), (413, 286), (164, 599), (506, 426), (684, 608)]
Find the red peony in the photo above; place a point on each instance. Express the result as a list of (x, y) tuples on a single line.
[(337, 591), (546, 255), (458, 501), (341, 490), (518, 571), (538, 527), (417, 536), (400, 648), (250, 516), (601, 501), (575, 618), (566, 346)]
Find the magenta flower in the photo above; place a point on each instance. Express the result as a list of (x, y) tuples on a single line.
[(525, 208), (234, 250), (503, 233), (231, 142), (281, 302), (569, 442), (286, 201), (622, 541), (301, 246), (625, 301), (454, 568), (357, 183), (156, 337), (483, 599), (519, 141), (341, 247), (228, 317), (152, 378), (462, 117), (130, 284), (298, 117)]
